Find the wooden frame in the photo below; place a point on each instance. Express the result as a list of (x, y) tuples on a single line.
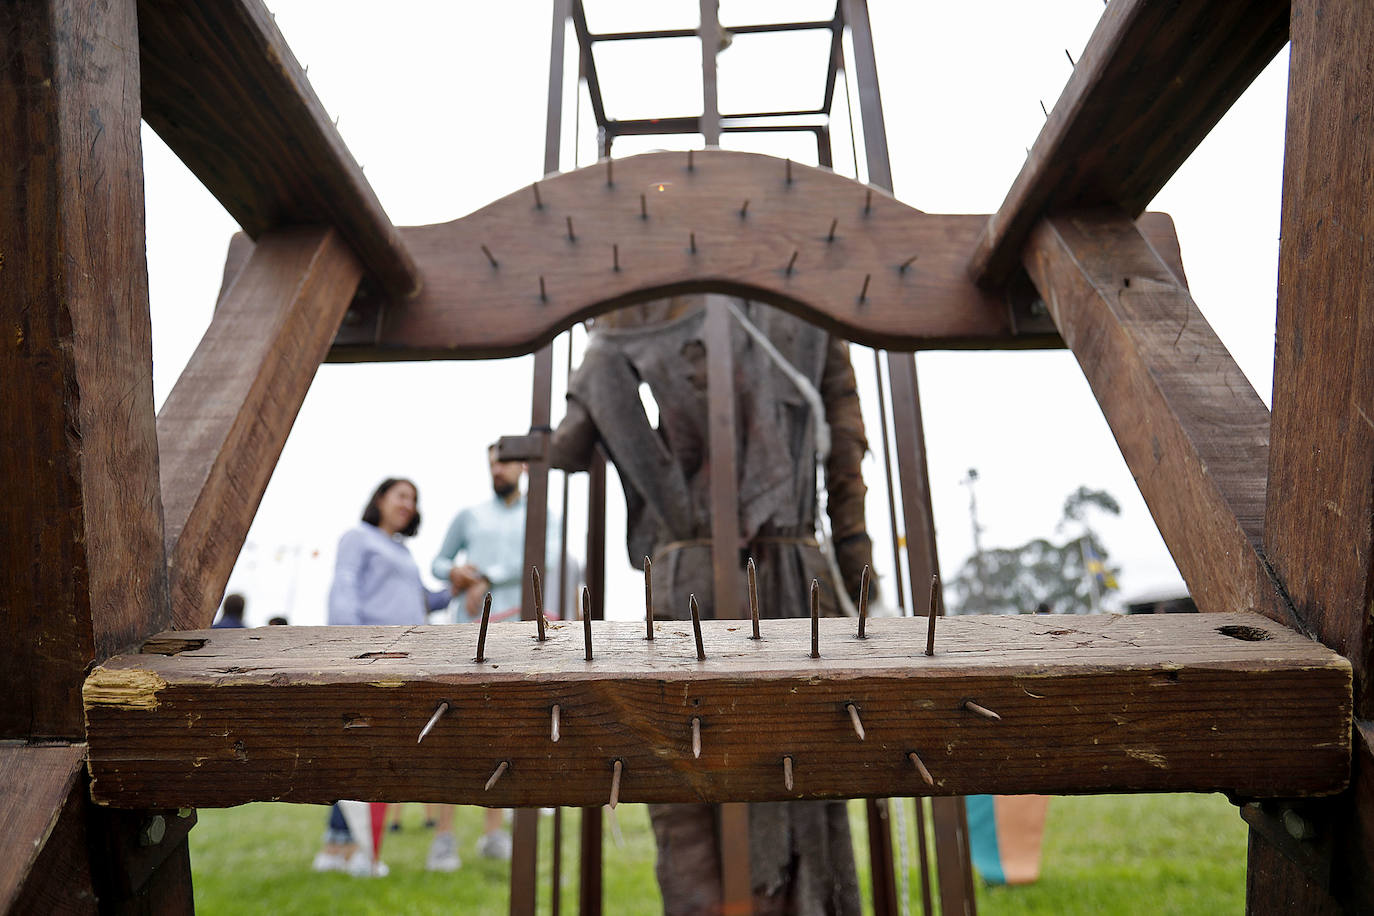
[(83, 483)]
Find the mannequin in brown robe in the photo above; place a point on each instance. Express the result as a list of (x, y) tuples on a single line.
[(801, 854)]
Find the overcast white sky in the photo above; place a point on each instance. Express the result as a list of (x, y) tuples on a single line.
[(443, 104)]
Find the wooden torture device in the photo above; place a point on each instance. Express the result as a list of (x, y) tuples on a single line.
[(124, 714)]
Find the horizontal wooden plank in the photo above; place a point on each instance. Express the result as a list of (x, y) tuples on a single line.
[(227, 418), (1087, 704), (471, 307), (223, 90), (35, 782), (1154, 79), (1192, 430)]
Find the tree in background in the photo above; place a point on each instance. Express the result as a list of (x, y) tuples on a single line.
[(1068, 577)]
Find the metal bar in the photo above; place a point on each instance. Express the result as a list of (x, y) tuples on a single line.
[(589, 868), (770, 128), (595, 573), (650, 34), (687, 124), (923, 854), (952, 856), (884, 876), (824, 156), (836, 55), (710, 47), (579, 18), (556, 878), (891, 491)]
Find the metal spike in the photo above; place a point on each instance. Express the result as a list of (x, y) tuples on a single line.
[(1072, 63), (980, 710), (744, 210), (902, 268), (643, 207), (500, 771), (615, 783), (487, 251), (438, 714), (648, 598), (538, 204), (615, 257), (610, 175), (815, 619), (690, 166), (1044, 109), (696, 736), (787, 773), (863, 293), (830, 237), (572, 237), (692, 242), (868, 201), (587, 620), (543, 296), (788, 168), (863, 602), (854, 718), (482, 629), (554, 732), (791, 262), (696, 626), (921, 768), (930, 624), (753, 598), (538, 588)]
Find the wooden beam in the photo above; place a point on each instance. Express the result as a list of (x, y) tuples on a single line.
[(81, 559), (36, 784), (223, 90), (691, 233), (1317, 527), (227, 418), (1192, 430), (1087, 704), (1154, 79)]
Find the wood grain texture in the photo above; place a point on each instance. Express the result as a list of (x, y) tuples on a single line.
[(36, 788), (223, 90), (470, 308), (81, 557), (1088, 704), (1192, 430), (1153, 80), (227, 419)]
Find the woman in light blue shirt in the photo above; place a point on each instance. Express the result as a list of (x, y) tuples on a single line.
[(376, 580)]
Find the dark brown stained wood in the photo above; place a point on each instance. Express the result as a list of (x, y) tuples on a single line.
[(223, 90), (37, 788), (470, 308), (227, 418), (1318, 530), (1087, 704), (81, 556), (1154, 79), (1192, 430)]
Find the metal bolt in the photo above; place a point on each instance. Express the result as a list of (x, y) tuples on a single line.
[(154, 829), (1298, 827)]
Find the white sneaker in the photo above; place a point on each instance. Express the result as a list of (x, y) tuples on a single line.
[(495, 845), (360, 865), (327, 861), (443, 854)]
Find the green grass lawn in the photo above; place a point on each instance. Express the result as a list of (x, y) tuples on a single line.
[(1106, 854)]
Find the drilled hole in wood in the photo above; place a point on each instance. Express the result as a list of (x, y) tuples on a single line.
[(1249, 634), (383, 655)]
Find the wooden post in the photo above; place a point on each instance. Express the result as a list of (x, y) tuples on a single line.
[(1317, 531), (83, 574)]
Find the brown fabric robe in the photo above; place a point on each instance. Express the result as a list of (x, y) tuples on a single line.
[(801, 854)]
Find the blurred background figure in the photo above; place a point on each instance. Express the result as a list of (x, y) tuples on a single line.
[(231, 612)]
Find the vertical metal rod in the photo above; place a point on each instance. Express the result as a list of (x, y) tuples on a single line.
[(830, 236), (891, 490), (556, 872), (587, 621), (572, 236), (643, 207), (482, 629), (753, 597), (615, 257), (863, 291), (935, 601), (815, 619), (696, 626), (863, 602), (538, 204), (791, 262), (709, 30), (692, 242), (648, 598), (538, 588)]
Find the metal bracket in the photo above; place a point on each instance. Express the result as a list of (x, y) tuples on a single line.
[(532, 446), (1299, 829)]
